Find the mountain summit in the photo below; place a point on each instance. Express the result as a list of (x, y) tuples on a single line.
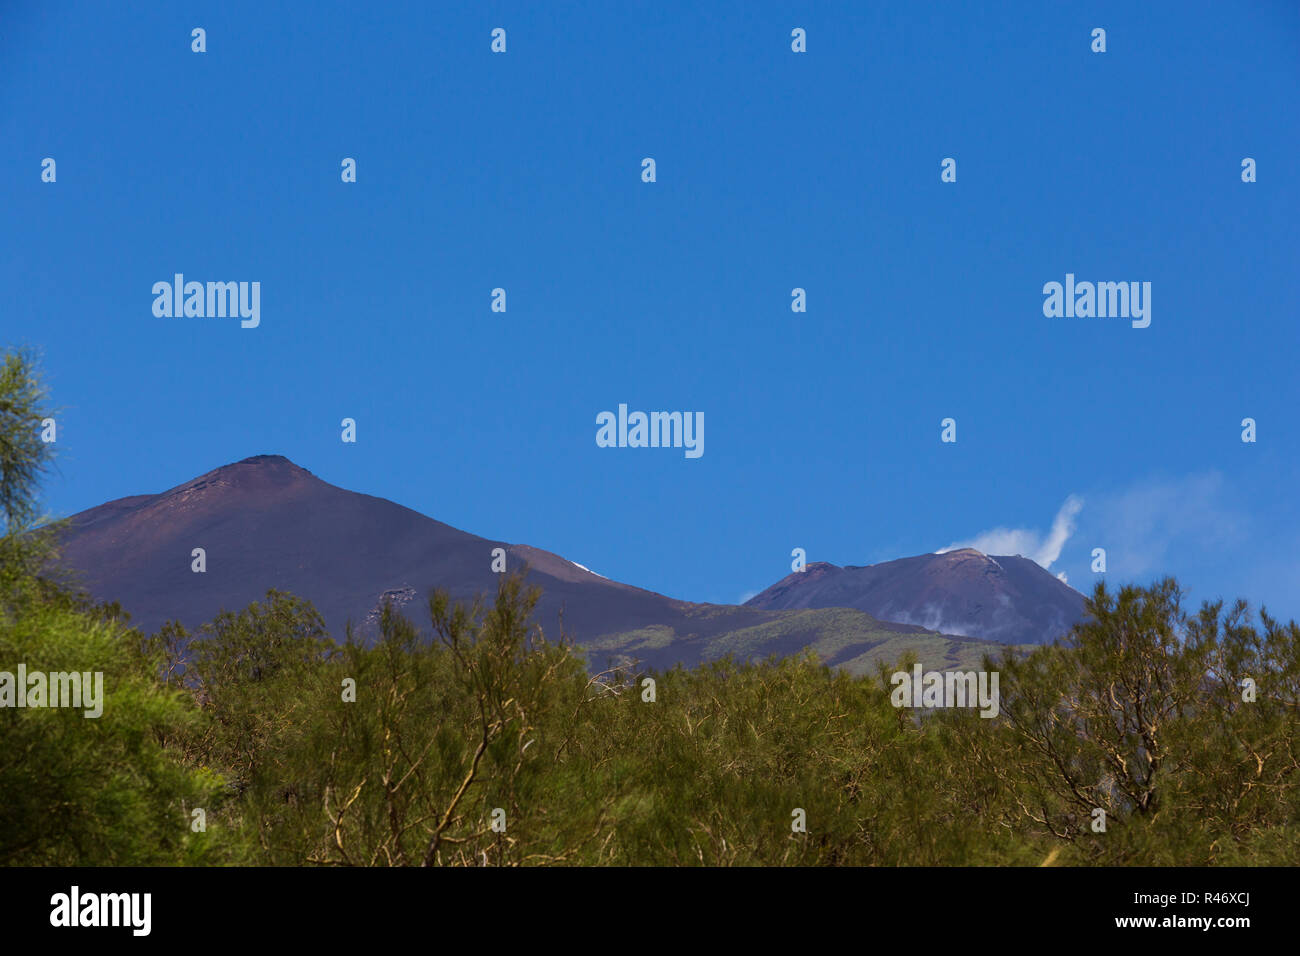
[(1003, 598), (265, 522)]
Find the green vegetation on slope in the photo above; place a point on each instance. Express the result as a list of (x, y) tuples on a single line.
[(841, 637)]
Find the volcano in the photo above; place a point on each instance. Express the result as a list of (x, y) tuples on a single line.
[(1006, 598), (265, 522)]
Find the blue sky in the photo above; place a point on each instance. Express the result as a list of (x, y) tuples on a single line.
[(775, 170)]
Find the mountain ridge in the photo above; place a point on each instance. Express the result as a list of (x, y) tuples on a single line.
[(265, 522)]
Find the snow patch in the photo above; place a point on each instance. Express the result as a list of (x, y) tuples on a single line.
[(587, 569)]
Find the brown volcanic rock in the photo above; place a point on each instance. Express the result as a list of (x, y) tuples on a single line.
[(1006, 598), (266, 523)]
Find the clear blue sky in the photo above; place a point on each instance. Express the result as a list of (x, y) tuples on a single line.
[(775, 170)]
